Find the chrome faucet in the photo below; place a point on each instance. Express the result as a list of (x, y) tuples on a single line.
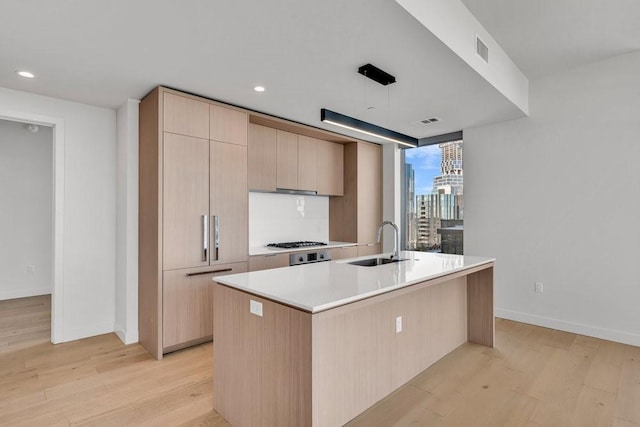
[(396, 253)]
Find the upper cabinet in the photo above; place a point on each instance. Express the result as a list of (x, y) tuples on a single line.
[(185, 116), (307, 163), (284, 160), (227, 125), (262, 158), (330, 168)]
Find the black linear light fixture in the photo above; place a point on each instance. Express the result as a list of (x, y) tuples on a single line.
[(331, 117), (337, 119)]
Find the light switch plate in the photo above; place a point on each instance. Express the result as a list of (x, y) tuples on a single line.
[(255, 307)]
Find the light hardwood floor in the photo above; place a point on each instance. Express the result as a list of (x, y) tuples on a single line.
[(24, 322), (534, 377)]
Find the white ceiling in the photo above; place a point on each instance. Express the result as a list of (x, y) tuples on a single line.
[(306, 53), (547, 36)]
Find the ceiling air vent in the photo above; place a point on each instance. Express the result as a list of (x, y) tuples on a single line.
[(482, 50), (428, 121)]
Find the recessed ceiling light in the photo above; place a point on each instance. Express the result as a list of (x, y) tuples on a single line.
[(25, 74), (259, 88)]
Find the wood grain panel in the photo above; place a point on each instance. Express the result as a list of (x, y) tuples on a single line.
[(286, 160), (227, 125), (186, 199), (150, 225), (369, 192), (188, 304), (262, 365), (266, 262), (343, 211), (330, 168), (480, 302), (307, 163), (358, 358), (229, 202), (262, 158), (185, 116), (369, 249), (346, 252)]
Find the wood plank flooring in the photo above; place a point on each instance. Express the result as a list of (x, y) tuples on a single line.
[(24, 322), (534, 377)]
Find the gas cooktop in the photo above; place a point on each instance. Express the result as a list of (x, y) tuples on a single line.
[(292, 245)]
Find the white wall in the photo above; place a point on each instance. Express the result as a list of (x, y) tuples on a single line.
[(275, 218), (391, 191), (88, 298), (555, 197), (26, 210), (127, 222)]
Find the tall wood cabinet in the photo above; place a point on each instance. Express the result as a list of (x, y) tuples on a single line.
[(193, 214), (357, 216)]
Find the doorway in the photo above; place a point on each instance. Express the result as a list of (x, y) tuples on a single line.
[(55, 127)]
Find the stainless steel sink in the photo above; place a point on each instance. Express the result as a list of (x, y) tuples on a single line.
[(372, 262)]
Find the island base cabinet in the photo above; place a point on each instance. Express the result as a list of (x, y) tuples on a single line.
[(287, 367), (261, 364)]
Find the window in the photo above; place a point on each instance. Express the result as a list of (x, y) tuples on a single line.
[(433, 196)]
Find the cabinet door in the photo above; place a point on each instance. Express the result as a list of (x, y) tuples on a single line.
[(229, 203), (307, 163), (185, 116), (286, 160), (369, 178), (346, 252), (262, 158), (226, 125), (266, 262), (187, 304), (330, 160), (185, 201)]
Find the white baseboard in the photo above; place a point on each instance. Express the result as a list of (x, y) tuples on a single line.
[(21, 293), (576, 328), (127, 338), (87, 331)]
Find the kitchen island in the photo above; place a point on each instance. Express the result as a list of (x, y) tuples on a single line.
[(317, 344)]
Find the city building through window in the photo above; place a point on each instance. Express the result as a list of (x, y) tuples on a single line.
[(434, 198)]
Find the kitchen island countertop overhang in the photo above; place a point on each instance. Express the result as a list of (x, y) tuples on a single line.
[(326, 285)]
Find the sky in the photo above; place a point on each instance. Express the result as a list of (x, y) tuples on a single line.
[(426, 164)]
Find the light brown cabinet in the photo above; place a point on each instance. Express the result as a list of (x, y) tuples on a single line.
[(187, 301), (307, 163), (193, 212), (266, 262), (284, 160), (330, 168), (356, 216), (345, 252), (262, 158)]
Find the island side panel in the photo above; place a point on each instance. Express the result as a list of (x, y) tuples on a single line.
[(358, 358), (481, 320), (261, 365)]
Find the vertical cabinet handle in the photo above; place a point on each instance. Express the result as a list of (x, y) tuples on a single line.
[(216, 237), (205, 238)]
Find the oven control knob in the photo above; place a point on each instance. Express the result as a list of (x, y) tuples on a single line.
[(300, 259), (321, 256)]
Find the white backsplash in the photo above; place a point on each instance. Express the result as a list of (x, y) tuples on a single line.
[(287, 217)]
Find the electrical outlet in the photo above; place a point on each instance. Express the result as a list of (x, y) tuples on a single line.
[(398, 324), (539, 287), (255, 307), (31, 268)]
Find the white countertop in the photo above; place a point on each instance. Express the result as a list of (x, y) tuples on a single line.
[(264, 250), (324, 285)]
